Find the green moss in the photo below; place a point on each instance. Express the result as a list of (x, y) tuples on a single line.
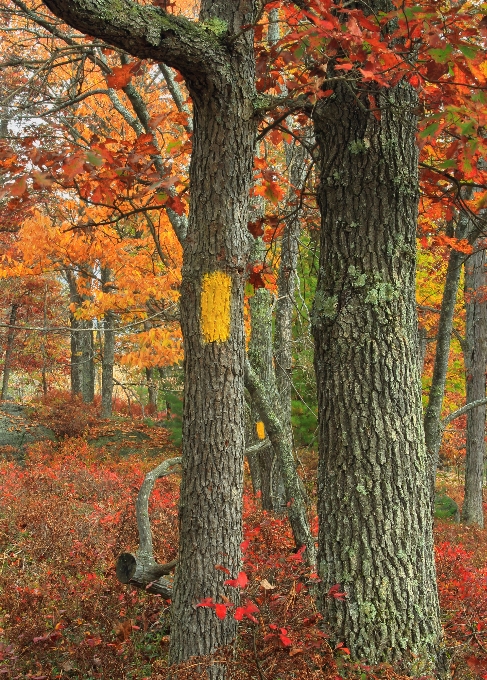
[(215, 26), (359, 146), (324, 306)]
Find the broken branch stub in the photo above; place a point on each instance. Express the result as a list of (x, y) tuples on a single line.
[(141, 569)]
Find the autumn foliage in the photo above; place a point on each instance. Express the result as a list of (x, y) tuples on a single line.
[(67, 513)]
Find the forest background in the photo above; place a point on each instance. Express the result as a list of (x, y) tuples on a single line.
[(95, 155)]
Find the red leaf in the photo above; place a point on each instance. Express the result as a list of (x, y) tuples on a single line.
[(207, 602), (336, 594), (121, 76), (19, 187), (256, 228), (221, 610), (284, 638), (176, 204), (240, 582)]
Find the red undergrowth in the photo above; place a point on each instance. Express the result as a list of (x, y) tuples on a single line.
[(68, 512)]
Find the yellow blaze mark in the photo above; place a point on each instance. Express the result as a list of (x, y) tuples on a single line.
[(216, 289), (259, 426)]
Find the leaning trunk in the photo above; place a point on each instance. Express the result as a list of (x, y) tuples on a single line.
[(214, 265), (475, 365), (433, 430), (375, 533), (260, 357), (9, 350), (297, 162)]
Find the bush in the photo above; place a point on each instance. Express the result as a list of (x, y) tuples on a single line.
[(65, 414)]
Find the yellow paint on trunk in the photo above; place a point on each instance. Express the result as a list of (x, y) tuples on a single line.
[(259, 426), (216, 289)]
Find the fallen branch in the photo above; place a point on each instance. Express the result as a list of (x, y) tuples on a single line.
[(141, 569)]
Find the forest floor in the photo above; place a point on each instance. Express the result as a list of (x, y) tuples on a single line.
[(66, 513)]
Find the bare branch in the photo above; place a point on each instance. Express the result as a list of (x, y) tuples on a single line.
[(461, 411)]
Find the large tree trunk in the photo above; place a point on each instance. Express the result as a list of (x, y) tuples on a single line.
[(214, 264), (7, 362), (375, 530), (475, 365), (433, 429)]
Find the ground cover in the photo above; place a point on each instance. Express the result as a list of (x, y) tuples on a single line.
[(68, 511)]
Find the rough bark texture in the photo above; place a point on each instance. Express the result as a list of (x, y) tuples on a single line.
[(433, 430), (476, 365), (7, 362), (76, 338), (213, 428), (87, 361), (375, 533)]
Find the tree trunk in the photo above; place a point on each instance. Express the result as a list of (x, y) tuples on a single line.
[(296, 158), (76, 343), (295, 500), (375, 530), (260, 357), (475, 365), (433, 429), (9, 350), (82, 347), (107, 365), (108, 356), (151, 390), (214, 265), (87, 362)]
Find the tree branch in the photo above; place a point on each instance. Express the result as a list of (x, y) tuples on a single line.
[(141, 570), (144, 31), (461, 411)]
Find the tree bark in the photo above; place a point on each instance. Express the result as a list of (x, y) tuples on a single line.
[(375, 529), (76, 364), (7, 362), (475, 365), (433, 429), (212, 323)]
